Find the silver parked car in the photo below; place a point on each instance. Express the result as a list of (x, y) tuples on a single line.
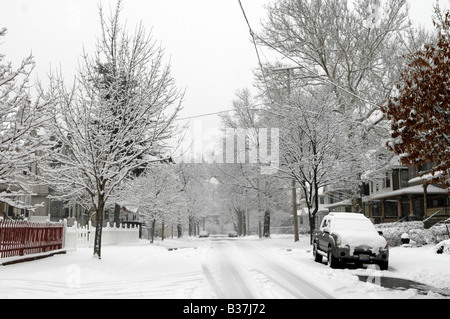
[(350, 238)]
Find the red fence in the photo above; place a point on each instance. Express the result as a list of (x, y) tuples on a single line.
[(25, 238)]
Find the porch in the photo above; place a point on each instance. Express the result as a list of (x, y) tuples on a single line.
[(418, 202)]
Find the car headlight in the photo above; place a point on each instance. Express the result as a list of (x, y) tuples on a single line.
[(337, 239)]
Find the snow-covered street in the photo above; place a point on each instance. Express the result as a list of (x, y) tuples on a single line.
[(220, 268)]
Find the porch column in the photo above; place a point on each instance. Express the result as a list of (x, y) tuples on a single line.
[(425, 191), (411, 205), (383, 210)]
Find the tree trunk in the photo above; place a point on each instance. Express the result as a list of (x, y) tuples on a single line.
[(267, 223), (99, 227), (152, 236), (162, 231), (179, 231), (239, 222), (312, 227), (191, 226), (294, 211), (244, 224), (259, 227)]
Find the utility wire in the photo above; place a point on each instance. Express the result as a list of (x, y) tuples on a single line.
[(255, 36), (202, 115), (252, 34)]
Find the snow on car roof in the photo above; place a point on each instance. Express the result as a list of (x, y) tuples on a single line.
[(348, 215)]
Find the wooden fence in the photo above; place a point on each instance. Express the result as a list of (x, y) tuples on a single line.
[(20, 238)]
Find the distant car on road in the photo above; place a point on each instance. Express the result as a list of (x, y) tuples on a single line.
[(349, 237), (203, 234), (232, 234)]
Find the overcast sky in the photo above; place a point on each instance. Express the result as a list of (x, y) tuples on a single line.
[(207, 40)]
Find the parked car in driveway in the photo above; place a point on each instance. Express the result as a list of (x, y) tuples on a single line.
[(349, 238), (203, 234)]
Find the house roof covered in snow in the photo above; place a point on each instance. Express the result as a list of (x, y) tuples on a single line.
[(412, 190), (345, 202), (304, 211)]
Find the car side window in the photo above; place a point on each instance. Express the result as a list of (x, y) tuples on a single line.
[(324, 223)]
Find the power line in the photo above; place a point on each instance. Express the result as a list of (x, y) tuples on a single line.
[(260, 65), (203, 115), (254, 36)]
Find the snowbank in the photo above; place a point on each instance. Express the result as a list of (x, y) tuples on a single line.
[(416, 231), (184, 268)]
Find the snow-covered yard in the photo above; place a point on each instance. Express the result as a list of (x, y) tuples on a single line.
[(188, 269)]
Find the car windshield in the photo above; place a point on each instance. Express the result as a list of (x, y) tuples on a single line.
[(353, 224)]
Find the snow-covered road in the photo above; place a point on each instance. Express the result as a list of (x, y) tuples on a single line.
[(218, 268), (246, 269)]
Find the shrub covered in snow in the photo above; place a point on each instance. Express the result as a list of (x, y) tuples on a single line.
[(416, 231), (443, 247), (440, 232)]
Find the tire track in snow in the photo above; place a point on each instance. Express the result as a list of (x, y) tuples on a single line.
[(233, 285), (283, 277)]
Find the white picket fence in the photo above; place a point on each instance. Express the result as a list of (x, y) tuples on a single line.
[(83, 236)]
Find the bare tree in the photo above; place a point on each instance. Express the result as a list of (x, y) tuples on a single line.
[(21, 138), (115, 118), (243, 184), (314, 145), (157, 194), (355, 49)]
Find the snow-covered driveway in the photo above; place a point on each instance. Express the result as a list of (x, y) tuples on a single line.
[(216, 268)]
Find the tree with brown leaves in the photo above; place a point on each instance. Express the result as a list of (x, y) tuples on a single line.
[(420, 113)]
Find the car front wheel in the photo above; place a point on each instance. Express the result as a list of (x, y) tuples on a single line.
[(333, 262), (317, 256), (384, 265)]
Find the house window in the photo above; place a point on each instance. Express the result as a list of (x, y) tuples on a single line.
[(403, 178), (425, 167), (10, 211), (376, 212), (387, 181)]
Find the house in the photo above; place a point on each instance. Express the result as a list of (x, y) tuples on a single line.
[(37, 198), (303, 214), (403, 195)]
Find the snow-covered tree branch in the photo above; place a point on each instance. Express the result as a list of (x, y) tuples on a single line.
[(21, 134), (115, 119)]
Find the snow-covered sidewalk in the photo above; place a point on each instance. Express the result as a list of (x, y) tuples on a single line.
[(172, 269)]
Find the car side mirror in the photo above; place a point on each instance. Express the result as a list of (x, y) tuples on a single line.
[(326, 230), (380, 233)]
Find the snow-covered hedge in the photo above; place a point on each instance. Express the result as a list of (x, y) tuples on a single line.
[(443, 247), (416, 231)]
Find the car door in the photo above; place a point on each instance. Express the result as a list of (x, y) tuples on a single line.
[(324, 236)]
